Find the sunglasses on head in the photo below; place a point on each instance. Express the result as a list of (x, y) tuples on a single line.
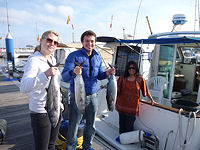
[(131, 68), (50, 41)]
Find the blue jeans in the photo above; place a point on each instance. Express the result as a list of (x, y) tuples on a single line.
[(74, 119)]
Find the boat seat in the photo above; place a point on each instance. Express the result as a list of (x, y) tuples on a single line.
[(156, 87)]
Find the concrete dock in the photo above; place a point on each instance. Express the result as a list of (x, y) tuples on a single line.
[(14, 109)]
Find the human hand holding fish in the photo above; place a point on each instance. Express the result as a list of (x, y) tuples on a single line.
[(110, 71), (51, 71), (78, 70)]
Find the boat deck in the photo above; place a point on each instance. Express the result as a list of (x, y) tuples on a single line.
[(14, 109)]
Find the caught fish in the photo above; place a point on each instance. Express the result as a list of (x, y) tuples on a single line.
[(53, 102), (80, 94), (111, 94)]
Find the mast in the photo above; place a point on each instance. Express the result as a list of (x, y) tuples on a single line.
[(7, 16), (198, 14), (9, 48)]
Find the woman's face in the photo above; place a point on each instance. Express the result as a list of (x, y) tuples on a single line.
[(49, 44), (131, 70)]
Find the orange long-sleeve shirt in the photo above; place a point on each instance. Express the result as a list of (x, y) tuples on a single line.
[(129, 94)]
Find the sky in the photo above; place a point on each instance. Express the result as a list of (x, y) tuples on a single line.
[(29, 18)]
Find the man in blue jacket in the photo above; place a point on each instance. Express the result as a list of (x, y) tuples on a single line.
[(91, 70)]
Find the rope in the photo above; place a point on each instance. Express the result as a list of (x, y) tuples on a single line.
[(130, 47)]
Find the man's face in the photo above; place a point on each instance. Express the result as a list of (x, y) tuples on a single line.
[(89, 42)]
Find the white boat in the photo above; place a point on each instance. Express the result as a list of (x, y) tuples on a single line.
[(168, 127)]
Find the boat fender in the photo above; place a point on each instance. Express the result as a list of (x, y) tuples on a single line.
[(3, 126), (130, 137)]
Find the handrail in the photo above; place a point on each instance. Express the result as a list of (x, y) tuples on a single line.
[(154, 36)]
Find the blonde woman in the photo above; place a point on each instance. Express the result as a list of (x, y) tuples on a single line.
[(35, 80)]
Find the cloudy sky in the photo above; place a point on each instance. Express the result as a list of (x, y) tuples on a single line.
[(28, 18)]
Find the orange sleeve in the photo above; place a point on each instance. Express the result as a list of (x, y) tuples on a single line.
[(119, 84)]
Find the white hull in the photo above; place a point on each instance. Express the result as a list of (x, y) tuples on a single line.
[(162, 120), (158, 120)]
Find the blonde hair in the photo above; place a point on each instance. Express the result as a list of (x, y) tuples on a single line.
[(44, 35)]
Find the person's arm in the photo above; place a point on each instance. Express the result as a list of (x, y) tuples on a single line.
[(31, 79), (150, 97), (68, 70), (145, 90)]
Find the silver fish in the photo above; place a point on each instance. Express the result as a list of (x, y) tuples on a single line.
[(53, 102), (80, 94), (111, 94)]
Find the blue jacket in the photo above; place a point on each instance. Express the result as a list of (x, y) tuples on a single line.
[(91, 71)]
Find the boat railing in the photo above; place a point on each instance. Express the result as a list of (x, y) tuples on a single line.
[(172, 109), (192, 33)]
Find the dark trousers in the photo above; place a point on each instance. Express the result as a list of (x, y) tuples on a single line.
[(126, 123), (44, 134)]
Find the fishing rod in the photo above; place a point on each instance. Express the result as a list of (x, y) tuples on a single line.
[(136, 19), (101, 56)]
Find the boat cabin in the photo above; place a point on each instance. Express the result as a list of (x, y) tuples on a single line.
[(174, 58)]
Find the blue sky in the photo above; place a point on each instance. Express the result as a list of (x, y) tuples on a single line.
[(31, 17)]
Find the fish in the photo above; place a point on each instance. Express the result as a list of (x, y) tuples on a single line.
[(111, 94), (53, 102), (80, 94)]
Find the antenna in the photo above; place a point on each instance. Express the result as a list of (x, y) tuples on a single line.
[(199, 14), (7, 16), (137, 18), (36, 30), (195, 16), (123, 33)]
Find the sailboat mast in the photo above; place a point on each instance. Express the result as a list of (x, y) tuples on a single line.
[(7, 16), (198, 14), (10, 48)]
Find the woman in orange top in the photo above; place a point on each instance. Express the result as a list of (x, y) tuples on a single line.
[(129, 86)]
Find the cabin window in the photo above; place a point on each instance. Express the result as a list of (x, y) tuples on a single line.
[(124, 55), (165, 65), (178, 58)]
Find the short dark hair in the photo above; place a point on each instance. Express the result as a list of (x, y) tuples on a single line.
[(88, 33), (126, 73)]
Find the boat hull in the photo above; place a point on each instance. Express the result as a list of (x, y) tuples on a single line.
[(165, 122)]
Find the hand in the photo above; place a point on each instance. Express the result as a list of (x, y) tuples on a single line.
[(153, 102), (78, 70), (51, 71), (110, 71)]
